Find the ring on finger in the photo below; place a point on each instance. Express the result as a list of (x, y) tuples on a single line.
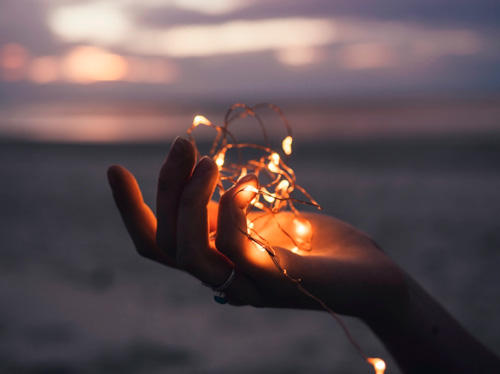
[(219, 294)]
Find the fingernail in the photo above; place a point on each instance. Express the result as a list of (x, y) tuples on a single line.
[(205, 165), (179, 147)]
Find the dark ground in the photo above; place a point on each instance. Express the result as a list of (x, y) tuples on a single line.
[(77, 299)]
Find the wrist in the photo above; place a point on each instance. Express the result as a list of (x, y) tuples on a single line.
[(391, 304)]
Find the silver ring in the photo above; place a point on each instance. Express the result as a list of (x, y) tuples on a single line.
[(227, 283), (219, 294)]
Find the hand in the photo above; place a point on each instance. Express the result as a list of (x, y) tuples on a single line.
[(345, 268)]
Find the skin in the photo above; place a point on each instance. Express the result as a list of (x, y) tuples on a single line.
[(346, 268)]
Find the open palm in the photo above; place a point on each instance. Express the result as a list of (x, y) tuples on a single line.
[(345, 268)]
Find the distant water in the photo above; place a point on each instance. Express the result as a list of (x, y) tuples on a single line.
[(146, 121), (77, 299)]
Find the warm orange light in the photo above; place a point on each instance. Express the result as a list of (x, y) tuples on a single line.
[(14, 56), (259, 247), (255, 200), (275, 158), (378, 364), (258, 205), (286, 144), (272, 166), (13, 60), (303, 233), (201, 120), (250, 226), (247, 193), (276, 192), (300, 228), (269, 197), (87, 64), (283, 185), (251, 189), (220, 159)]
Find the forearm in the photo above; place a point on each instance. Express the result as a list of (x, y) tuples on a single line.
[(424, 338)]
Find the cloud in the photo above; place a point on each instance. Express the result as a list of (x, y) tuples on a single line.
[(260, 46), (479, 14), (98, 22), (365, 43), (234, 37), (24, 22)]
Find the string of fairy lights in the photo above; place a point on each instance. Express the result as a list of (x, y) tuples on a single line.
[(273, 195)]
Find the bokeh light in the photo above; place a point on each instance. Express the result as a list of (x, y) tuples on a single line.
[(13, 60), (44, 69), (86, 64)]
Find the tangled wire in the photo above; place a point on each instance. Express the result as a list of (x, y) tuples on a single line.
[(277, 183)]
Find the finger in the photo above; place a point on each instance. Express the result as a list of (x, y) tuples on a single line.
[(243, 291), (194, 251), (232, 239), (213, 208), (174, 175), (137, 216)]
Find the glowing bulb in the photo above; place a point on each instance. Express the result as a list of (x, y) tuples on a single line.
[(220, 160), (378, 364), (250, 189), (258, 205), (248, 192), (201, 120), (272, 166), (294, 249), (255, 200), (303, 233), (283, 185), (269, 198), (259, 247), (250, 226), (286, 144), (275, 158), (300, 228)]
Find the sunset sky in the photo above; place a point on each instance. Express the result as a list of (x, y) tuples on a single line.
[(228, 46), (229, 50)]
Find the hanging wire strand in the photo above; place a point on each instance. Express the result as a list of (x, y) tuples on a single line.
[(276, 194)]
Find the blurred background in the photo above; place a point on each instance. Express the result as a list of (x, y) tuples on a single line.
[(395, 110)]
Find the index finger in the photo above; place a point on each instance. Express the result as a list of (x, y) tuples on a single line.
[(137, 216)]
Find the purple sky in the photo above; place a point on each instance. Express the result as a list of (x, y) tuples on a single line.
[(252, 49), (69, 69)]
